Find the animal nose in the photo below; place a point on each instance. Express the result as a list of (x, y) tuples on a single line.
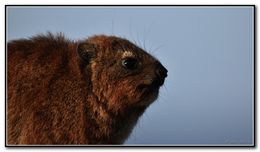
[(161, 71), (161, 74)]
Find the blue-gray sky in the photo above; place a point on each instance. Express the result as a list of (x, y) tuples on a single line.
[(208, 51)]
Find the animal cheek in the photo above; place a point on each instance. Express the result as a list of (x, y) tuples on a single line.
[(148, 79), (124, 91)]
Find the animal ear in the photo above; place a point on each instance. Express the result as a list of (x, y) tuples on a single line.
[(86, 51)]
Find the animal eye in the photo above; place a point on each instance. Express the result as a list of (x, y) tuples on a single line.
[(130, 63)]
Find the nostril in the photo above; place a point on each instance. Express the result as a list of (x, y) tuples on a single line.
[(162, 71)]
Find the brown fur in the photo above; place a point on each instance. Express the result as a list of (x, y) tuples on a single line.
[(60, 92)]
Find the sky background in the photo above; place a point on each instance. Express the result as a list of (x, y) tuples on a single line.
[(208, 51)]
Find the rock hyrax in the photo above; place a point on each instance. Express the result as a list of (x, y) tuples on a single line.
[(86, 92)]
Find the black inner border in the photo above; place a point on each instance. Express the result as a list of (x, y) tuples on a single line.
[(136, 145)]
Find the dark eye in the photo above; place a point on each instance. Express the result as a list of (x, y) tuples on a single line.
[(130, 63)]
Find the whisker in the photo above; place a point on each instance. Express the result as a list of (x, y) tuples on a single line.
[(158, 47), (113, 26), (146, 34), (162, 98), (138, 39)]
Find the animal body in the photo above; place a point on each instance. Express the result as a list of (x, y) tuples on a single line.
[(87, 92)]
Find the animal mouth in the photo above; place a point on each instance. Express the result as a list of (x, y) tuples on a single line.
[(148, 90), (154, 86)]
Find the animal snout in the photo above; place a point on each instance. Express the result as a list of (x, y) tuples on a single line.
[(161, 73)]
